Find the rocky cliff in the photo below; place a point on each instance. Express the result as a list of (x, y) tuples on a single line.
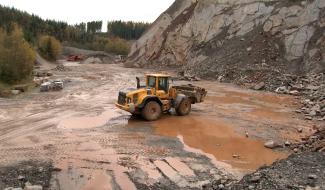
[(236, 39)]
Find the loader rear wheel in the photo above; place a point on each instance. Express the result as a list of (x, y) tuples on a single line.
[(184, 108), (152, 111)]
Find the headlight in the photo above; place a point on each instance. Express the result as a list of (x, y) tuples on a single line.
[(135, 98)]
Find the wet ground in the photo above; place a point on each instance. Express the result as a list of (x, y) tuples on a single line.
[(94, 145)]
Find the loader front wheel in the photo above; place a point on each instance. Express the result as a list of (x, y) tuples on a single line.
[(184, 108), (152, 111)]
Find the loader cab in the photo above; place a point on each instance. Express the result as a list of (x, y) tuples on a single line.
[(160, 84)]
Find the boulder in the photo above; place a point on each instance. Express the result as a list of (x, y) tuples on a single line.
[(287, 143), (259, 86), (271, 144), (15, 92), (281, 90), (255, 178), (312, 113), (294, 92), (268, 26)]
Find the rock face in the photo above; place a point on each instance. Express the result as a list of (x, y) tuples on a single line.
[(210, 38)]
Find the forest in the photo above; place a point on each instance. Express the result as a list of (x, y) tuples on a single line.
[(81, 34)]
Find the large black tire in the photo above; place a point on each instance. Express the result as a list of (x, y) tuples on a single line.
[(151, 111), (184, 108)]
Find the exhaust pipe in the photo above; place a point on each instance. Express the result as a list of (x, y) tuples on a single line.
[(138, 82)]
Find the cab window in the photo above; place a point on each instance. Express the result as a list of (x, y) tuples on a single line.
[(163, 84), (152, 82)]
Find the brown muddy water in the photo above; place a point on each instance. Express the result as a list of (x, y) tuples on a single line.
[(218, 138)]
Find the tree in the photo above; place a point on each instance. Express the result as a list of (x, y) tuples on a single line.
[(94, 27), (83, 35), (127, 30), (16, 56), (49, 47)]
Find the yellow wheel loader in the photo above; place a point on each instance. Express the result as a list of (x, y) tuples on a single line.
[(158, 97)]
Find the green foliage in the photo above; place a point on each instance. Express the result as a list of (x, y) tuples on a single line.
[(94, 27), (49, 47), (117, 46), (85, 35), (127, 30), (108, 44), (16, 56)]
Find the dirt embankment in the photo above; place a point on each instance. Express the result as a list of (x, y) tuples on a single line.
[(91, 57)]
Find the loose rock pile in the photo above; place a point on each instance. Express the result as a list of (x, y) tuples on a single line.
[(315, 143), (298, 172), (219, 184), (26, 175), (312, 89), (61, 68)]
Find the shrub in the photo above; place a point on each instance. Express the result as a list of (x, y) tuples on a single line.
[(110, 45), (16, 56), (117, 46), (49, 47)]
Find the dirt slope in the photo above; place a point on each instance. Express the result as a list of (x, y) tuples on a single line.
[(233, 39)]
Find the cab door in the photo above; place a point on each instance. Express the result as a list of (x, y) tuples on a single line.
[(152, 83), (162, 87)]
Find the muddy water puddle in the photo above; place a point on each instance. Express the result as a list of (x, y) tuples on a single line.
[(219, 139), (254, 106)]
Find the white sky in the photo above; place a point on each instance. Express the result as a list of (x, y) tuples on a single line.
[(73, 11)]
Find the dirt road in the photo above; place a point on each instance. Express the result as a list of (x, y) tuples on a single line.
[(93, 145)]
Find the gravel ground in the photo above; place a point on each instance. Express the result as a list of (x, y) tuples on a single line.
[(34, 172), (299, 171)]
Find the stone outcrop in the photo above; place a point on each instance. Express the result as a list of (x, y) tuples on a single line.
[(213, 38)]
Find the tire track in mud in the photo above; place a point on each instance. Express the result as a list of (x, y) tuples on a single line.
[(127, 156)]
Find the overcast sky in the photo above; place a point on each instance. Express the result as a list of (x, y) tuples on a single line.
[(73, 11)]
